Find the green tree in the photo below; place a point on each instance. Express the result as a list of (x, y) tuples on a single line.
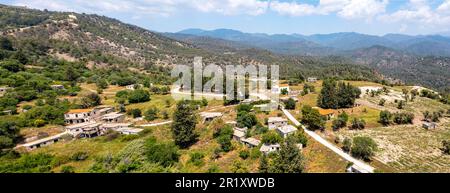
[(183, 126), (271, 137), (138, 96), (289, 159), (358, 123), (90, 99), (165, 153), (363, 147), (340, 122), (347, 144), (12, 65), (385, 117), (135, 113), (290, 104), (263, 164), (101, 83), (151, 114), (312, 118)]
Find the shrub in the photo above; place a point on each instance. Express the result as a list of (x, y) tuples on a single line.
[(197, 158), (67, 169), (347, 144), (79, 156), (358, 123), (403, 118), (363, 147), (271, 137), (290, 104), (244, 154), (385, 117), (165, 153), (151, 114), (446, 147), (135, 113), (139, 96)]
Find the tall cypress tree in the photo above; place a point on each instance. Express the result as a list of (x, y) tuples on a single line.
[(289, 159), (183, 126), (328, 96)]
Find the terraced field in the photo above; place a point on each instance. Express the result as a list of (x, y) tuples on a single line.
[(409, 148)]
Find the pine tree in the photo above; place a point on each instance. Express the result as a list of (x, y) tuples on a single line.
[(263, 164), (183, 126), (289, 159)]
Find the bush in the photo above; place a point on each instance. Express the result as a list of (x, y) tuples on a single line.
[(446, 147), (385, 118), (165, 153), (347, 144), (290, 104), (245, 119), (271, 137), (135, 113), (244, 154), (151, 114), (139, 96), (196, 158), (358, 123), (340, 122), (403, 118), (67, 169), (312, 118), (79, 156), (363, 147)]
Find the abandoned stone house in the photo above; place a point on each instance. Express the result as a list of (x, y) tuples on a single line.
[(113, 117), (251, 142), (44, 141), (286, 130), (239, 133), (85, 130), (275, 122), (76, 116), (57, 87), (269, 148), (209, 116), (429, 125)]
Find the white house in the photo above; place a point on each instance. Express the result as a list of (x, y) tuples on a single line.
[(133, 86), (43, 142), (269, 148), (251, 142), (286, 130), (129, 130), (113, 117), (87, 129), (275, 122), (102, 110), (75, 116), (239, 133)]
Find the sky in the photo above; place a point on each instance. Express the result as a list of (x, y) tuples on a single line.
[(376, 17)]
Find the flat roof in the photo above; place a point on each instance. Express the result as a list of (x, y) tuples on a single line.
[(266, 147), (210, 114), (326, 111), (252, 141), (130, 129), (39, 141), (287, 129), (79, 111), (238, 133), (276, 119), (86, 124), (112, 115)]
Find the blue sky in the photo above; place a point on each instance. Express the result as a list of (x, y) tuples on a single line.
[(376, 17)]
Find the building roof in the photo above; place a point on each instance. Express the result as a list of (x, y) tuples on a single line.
[(39, 141), (283, 85), (276, 119), (252, 141), (79, 111), (112, 115), (238, 133), (326, 111), (115, 125), (83, 125), (210, 114), (266, 147), (129, 130), (287, 129)]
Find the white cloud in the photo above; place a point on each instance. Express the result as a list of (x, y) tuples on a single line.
[(349, 9), (421, 13), (230, 7)]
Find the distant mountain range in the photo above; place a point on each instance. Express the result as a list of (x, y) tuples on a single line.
[(329, 44)]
